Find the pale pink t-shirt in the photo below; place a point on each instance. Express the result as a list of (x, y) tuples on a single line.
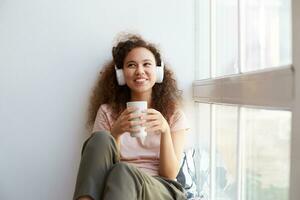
[(143, 154)]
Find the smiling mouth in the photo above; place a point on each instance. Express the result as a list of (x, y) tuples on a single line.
[(140, 80)]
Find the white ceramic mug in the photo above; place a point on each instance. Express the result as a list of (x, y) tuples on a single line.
[(141, 105)]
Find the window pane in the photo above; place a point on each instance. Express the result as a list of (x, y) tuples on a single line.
[(203, 40), (265, 34), (226, 120), (225, 43), (203, 164), (266, 153)]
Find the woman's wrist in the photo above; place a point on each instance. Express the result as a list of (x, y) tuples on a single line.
[(114, 133), (116, 136), (166, 128)]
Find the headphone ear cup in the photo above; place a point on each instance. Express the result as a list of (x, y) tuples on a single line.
[(120, 76), (160, 73)]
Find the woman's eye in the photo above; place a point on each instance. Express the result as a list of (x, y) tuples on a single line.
[(131, 66)]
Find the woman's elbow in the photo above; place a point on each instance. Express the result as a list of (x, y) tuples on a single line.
[(169, 174)]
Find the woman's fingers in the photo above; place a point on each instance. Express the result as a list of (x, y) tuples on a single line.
[(136, 123), (129, 110), (134, 130), (133, 116), (153, 128), (133, 127), (126, 121), (151, 111), (150, 117), (152, 123)]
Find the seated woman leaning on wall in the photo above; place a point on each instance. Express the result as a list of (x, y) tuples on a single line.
[(114, 165)]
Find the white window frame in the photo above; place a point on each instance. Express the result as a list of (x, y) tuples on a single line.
[(295, 139), (269, 88), (273, 88)]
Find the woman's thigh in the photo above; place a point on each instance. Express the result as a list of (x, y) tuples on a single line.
[(126, 181)]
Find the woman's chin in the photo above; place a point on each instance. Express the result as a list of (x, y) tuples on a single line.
[(140, 89)]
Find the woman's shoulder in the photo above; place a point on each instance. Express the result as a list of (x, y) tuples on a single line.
[(107, 110), (178, 120), (178, 112)]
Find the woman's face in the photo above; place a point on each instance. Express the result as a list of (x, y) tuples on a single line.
[(140, 70)]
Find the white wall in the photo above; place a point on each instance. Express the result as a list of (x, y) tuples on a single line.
[(50, 54)]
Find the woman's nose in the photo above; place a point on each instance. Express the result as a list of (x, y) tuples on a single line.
[(140, 69)]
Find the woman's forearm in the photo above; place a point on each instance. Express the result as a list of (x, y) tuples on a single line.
[(169, 163)]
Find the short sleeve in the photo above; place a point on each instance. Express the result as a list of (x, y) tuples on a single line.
[(101, 121), (178, 121)]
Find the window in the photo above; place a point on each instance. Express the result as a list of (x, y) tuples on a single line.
[(244, 93)]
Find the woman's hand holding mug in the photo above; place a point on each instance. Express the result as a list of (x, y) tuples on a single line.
[(126, 122)]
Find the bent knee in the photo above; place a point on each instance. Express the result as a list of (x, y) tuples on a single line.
[(100, 139), (101, 135), (121, 168), (124, 173)]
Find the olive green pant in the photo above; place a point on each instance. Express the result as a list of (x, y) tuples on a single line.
[(102, 176)]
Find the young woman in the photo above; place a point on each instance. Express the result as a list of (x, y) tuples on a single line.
[(114, 165)]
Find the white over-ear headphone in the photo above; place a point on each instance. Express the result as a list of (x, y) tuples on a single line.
[(159, 74)]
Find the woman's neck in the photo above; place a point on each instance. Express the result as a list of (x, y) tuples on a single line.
[(142, 97)]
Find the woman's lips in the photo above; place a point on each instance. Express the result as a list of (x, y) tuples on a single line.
[(140, 81)]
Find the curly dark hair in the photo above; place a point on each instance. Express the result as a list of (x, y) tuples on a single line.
[(166, 97)]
